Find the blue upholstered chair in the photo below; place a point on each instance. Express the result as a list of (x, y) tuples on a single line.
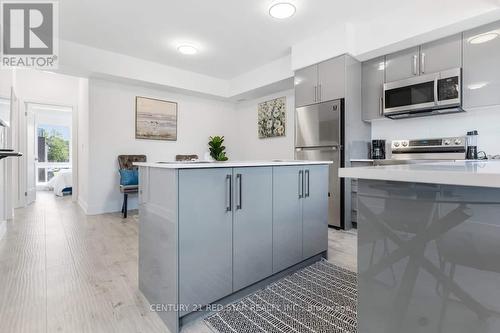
[(128, 177)]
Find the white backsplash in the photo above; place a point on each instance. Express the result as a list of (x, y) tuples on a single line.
[(485, 120)]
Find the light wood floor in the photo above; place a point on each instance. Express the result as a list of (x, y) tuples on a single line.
[(62, 271)]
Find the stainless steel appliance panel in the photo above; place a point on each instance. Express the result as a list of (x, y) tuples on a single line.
[(318, 125), (335, 188), (418, 96)]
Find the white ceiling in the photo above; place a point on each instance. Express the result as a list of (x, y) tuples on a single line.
[(234, 36)]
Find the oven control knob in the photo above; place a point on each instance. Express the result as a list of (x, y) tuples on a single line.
[(458, 142), (405, 144), (447, 142), (396, 144)]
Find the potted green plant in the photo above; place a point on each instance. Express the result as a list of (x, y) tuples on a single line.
[(217, 149)]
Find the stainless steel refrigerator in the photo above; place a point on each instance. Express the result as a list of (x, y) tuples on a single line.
[(319, 136)]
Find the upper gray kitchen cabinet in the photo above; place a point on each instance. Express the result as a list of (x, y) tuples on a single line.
[(372, 82), (402, 65), (252, 225), (481, 69), (306, 86), (331, 79), (442, 54)]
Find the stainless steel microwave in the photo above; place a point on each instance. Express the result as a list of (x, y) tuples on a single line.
[(424, 95)]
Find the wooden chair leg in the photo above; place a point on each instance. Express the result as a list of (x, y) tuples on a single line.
[(125, 204)]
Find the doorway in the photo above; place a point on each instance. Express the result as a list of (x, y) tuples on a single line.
[(49, 153)]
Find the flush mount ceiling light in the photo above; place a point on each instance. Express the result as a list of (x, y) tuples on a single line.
[(483, 38), (282, 10), (187, 49)]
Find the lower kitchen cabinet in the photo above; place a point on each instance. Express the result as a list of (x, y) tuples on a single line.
[(205, 235), (287, 216), (300, 216), (315, 211), (208, 232), (252, 225)]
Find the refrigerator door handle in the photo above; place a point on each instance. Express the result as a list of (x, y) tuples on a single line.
[(329, 148)]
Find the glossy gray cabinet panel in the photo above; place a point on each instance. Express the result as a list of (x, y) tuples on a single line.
[(205, 235), (315, 210), (402, 65), (252, 225), (287, 217), (441, 55), (331, 79), (372, 86), (428, 258), (481, 69), (306, 85)]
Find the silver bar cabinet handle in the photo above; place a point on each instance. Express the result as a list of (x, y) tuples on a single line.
[(415, 57), (319, 92), (301, 184), (238, 182), (315, 93), (422, 63), (381, 106), (228, 193), (306, 180)]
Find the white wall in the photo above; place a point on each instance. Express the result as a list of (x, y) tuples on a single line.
[(112, 133), (250, 147), (82, 143), (486, 121)]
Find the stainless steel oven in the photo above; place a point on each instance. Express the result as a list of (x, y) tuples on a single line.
[(424, 95)]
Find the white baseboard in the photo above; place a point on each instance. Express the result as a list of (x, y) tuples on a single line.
[(110, 206), (3, 228), (83, 205)]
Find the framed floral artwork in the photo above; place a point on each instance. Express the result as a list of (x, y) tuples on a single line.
[(272, 118)]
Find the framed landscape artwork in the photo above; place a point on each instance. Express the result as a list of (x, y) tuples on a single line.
[(155, 119), (272, 118)]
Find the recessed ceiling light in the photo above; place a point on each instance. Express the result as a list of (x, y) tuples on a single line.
[(483, 38), (282, 10), (187, 49)]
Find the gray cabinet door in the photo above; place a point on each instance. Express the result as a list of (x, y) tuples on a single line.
[(440, 55), (205, 235), (252, 225), (306, 84), (331, 79), (372, 86), (315, 210), (481, 69), (402, 65), (287, 216)]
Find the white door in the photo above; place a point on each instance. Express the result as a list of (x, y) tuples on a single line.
[(31, 157)]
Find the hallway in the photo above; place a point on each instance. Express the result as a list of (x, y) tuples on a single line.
[(62, 271)]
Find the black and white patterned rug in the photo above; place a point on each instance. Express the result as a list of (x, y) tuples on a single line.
[(319, 298)]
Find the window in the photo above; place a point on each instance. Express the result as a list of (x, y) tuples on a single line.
[(53, 150)]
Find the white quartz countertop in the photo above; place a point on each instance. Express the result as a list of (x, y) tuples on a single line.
[(464, 173), (228, 164)]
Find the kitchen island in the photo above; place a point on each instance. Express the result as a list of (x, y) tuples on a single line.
[(428, 247), (212, 232)]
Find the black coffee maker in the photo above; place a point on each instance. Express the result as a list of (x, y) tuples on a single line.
[(378, 149)]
